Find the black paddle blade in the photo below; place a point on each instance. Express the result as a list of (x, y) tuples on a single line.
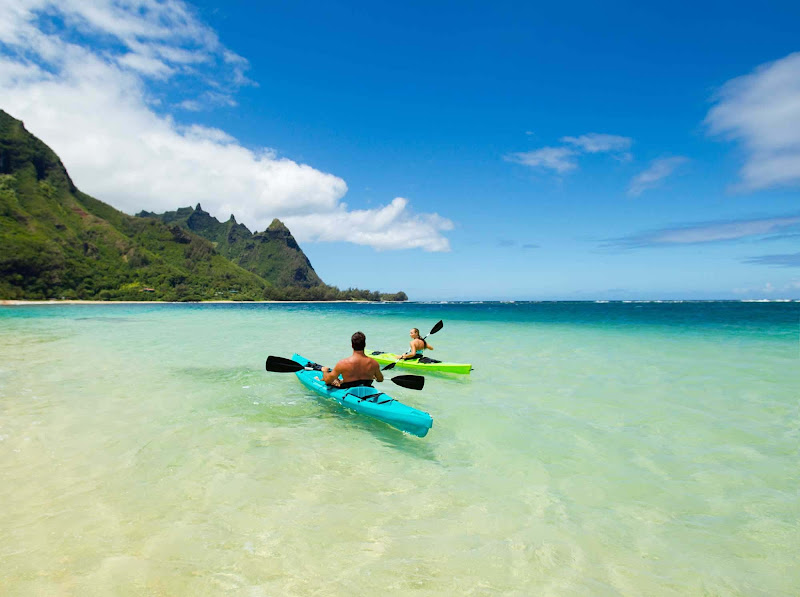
[(437, 327), (281, 365), (412, 382), (389, 366)]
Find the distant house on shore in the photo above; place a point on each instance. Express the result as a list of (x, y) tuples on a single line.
[(147, 290)]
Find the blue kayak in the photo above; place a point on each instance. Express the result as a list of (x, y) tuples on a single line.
[(368, 401)]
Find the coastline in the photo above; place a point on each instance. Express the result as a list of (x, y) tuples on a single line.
[(23, 303), (20, 303)]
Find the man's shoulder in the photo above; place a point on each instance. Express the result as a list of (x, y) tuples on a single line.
[(369, 360)]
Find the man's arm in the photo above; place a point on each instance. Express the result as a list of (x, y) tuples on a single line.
[(377, 371), (330, 375)]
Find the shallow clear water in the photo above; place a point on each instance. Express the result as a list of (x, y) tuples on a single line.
[(597, 449)]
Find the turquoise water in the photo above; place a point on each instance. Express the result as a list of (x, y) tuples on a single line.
[(597, 449)]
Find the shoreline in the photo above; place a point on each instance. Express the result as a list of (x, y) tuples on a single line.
[(27, 303), (20, 303)]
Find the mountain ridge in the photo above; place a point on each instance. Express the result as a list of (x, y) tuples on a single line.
[(273, 254), (58, 242)]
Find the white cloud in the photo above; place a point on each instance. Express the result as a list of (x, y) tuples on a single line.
[(767, 288), (786, 291), (147, 65), (190, 105), (564, 158), (389, 227), (93, 106), (761, 110), (560, 159), (657, 171), (600, 143), (726, 230), (709, 232)]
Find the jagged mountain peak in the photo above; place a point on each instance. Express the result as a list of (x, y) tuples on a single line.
[(57, 242), (272, 254), (277, 226)]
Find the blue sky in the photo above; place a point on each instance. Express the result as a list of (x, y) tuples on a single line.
[(453, 150)]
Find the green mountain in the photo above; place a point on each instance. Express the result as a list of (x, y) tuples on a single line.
[(57, 242), (273, 254)]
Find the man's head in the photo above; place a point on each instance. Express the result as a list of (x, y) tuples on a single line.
[(358, 341)]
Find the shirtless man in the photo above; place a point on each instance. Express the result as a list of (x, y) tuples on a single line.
[(356, 370), (416, 346)]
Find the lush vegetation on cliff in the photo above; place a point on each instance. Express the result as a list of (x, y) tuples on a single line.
[(273, 254), (57, 242)]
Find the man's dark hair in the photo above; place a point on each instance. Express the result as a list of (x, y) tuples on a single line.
[(358, 341)]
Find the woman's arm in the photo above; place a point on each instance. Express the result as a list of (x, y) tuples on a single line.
[(409, 352)]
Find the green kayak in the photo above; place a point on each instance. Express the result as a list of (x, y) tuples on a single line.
[(423, 364)]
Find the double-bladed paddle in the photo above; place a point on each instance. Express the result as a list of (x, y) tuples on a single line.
[(282, 365), (434, 329)]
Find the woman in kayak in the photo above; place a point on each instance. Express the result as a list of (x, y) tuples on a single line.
[(416, 346), (356, 370)]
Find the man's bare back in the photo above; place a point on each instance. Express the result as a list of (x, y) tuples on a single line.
[(357, 367)]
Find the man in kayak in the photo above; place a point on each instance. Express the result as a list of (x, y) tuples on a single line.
[(356, 370), (416, 346)]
